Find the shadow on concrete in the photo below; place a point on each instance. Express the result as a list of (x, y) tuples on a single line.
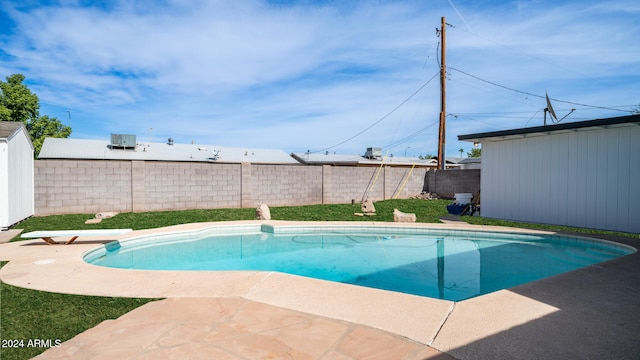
[(598, 316)]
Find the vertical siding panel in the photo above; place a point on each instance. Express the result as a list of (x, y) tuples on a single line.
[(484, 181), (515, 187), (590, 203), (560, 182), (532, 174), (601, 176), (489, 196), (544, 214), (507, 180), (572, 180), (527, 172), (525, 189), (634, 177), (510, 187), (582, 179), (502, 181), (494, 180), (613, 171), (503, 171), (552, 162), (624, 180)]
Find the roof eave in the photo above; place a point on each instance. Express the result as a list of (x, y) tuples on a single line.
[(630, 120)]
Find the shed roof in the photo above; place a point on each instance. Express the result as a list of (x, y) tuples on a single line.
[(630, 120), (9, 129), (55, 148)]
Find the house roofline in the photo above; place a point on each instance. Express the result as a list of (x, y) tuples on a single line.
[(544, 130)]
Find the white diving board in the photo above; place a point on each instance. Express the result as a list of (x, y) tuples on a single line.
[(48, 235)]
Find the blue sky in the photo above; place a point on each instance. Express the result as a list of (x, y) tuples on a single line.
[(336, 76)]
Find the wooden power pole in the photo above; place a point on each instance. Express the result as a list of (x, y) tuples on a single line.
[(443, 97)]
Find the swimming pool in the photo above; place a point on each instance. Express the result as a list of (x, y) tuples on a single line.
[(438, 263)]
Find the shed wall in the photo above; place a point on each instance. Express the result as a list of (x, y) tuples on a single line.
[(16, 186), (4, 185), (582, 178)]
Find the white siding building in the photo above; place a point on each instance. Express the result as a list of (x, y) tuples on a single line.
[(16, 174), (584, 174)]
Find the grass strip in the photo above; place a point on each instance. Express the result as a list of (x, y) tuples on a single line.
[(426, 211)]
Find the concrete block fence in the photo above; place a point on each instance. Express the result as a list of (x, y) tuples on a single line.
[(446, 183), (92, 186)]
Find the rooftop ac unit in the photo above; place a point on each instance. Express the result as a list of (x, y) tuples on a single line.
[(373, 153), (123, 141)]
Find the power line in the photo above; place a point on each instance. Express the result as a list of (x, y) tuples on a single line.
[(409, 137), (382, 118), (535, 95)]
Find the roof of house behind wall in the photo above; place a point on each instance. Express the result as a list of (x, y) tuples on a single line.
[(55, 148), (359, 160)]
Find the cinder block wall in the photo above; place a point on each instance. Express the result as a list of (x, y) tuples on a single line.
[(183, 185), (345, 184), (401, 183), (285, 185), (446, 183), (76, 186), (91, 186)]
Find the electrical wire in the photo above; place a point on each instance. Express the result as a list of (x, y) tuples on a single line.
[(535, 95), (411, 136), (382, 118)]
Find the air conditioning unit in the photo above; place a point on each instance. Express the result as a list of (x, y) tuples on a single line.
[(123, 141), (373, 153)]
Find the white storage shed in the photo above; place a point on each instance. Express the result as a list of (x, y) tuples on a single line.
[(584, 174), (16, 174)]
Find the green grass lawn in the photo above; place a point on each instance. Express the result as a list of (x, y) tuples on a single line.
[(29, 314), (427, 211)]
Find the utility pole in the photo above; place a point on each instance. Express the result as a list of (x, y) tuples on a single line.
[(443, 97)]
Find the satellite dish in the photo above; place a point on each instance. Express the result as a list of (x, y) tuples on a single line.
[(550, 108)]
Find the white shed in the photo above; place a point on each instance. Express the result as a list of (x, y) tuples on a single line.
[(16, 174), (583, 174)]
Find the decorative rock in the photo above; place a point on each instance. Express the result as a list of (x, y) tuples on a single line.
[(367, 207), (263, 212), (106, 215), (399, 216), (93, 221)]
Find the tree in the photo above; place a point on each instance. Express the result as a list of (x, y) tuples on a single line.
[(426, 157), (18, 103), (44, 127), (475, 152), (461, 151)]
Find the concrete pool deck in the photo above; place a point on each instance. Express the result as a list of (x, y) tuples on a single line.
[(590, 313)]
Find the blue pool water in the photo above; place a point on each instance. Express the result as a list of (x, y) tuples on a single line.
[(445, 264)]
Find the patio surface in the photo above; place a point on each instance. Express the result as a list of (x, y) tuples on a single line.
[(590, 313)]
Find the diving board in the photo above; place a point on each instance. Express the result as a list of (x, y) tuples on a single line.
[(48, 235)]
